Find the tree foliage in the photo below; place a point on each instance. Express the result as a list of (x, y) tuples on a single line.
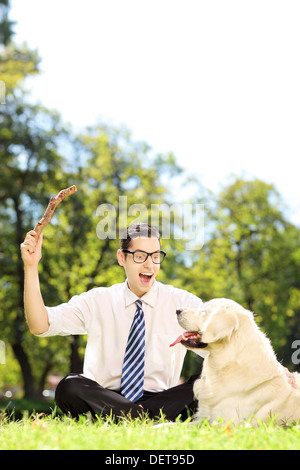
[(252, 256), (6, 25), (251, 251)]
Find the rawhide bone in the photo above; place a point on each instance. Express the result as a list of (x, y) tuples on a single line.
[(53, 203)]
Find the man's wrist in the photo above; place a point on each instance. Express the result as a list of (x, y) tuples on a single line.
[(31, 269)]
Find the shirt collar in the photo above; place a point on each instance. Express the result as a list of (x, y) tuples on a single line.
[(149, 298)]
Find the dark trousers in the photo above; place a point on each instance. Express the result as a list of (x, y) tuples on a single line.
[(77, 395)]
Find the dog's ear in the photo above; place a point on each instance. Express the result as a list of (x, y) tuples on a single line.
[(219, 326)]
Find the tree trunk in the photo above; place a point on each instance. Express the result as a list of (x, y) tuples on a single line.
[(76, 363), (28, 380), (43, 378)]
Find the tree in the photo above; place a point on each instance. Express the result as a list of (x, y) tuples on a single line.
[(252, 256), (29, 170), (6, 25), (29, 164)]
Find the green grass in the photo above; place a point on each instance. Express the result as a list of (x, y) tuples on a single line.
[(37, 432), (19, 407)]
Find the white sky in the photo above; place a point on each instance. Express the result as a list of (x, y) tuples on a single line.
[(216, 81)]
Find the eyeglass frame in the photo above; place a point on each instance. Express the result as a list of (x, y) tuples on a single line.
[(148, 254)]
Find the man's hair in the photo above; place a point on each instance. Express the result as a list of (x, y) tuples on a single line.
[(135, 231)]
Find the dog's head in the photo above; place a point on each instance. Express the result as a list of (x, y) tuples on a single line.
[(215, 322)]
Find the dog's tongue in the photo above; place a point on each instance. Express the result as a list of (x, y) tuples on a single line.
[(178, 340), (182, 337)]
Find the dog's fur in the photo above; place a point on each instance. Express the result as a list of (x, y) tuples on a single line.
[(241, 378)]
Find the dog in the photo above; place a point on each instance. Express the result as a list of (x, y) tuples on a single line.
[(241, 379)]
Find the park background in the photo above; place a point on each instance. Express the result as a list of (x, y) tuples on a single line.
[(164, 103)]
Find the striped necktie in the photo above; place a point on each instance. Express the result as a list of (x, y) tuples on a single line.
[(132, 382)]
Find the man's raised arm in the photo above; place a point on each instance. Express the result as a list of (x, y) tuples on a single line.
[(35, 310)]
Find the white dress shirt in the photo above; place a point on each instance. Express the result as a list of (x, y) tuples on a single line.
[(105, 314)]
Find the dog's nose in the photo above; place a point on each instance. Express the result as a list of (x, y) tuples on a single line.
[(178, 311)]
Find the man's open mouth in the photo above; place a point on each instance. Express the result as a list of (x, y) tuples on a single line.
[(145, 277), (190, 339)]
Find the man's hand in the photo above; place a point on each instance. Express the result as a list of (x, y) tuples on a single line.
[(31, 249)]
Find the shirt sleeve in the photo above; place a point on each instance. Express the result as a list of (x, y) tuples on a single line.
[(69, 318), (187, 299)]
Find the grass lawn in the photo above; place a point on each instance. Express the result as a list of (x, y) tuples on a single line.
[(52, 432)]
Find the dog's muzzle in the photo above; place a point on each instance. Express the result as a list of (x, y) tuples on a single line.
[(189, 339)]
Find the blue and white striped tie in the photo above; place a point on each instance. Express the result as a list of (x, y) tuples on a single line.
[(132, 382)]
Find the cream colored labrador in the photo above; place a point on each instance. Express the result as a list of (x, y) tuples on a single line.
[(241, 377)]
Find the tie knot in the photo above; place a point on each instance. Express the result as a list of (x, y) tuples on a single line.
[(139, 303)]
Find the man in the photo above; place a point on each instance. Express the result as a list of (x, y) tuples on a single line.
[(129, 367)]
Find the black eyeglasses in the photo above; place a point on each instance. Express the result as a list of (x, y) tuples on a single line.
[(140, 256)]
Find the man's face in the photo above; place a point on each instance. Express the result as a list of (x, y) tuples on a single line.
[(139, 281)]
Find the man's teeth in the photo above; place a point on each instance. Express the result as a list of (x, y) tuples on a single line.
[(146, 274)]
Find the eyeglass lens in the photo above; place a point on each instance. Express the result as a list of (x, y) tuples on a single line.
[(140, 257)]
